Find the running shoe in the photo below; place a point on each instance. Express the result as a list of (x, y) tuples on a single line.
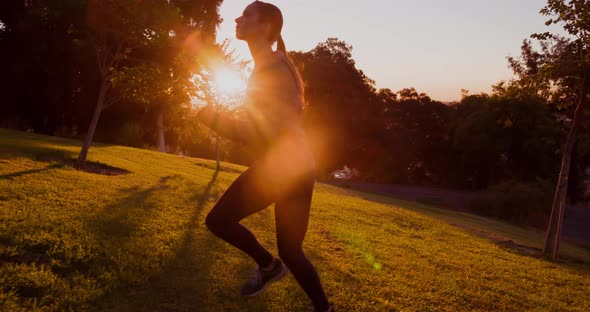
[(330, 309), (260, 278)]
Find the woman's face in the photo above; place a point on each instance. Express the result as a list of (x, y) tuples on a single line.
[(248, 26)]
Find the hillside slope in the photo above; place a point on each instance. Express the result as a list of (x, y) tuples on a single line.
[(137, 242)]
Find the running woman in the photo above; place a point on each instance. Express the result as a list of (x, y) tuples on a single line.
[(284, 172)]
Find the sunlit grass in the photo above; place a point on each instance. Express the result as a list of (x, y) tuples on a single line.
[(137, 242), (493, 229)]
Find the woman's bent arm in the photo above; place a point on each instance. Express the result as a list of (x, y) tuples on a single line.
[(264, 122)]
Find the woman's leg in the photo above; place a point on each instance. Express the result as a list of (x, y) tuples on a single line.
[(247, 195), (292, 215)]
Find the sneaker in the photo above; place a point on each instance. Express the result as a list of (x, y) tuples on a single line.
[(330, 309), (260, 278)]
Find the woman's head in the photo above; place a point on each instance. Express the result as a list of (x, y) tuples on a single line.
[(261, 21)]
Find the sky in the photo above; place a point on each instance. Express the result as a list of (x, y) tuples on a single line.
[(438, 47)]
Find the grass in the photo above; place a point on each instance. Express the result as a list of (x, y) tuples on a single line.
[(528, 240), (71, 240)]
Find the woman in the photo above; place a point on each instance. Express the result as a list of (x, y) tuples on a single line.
[(284, 172)]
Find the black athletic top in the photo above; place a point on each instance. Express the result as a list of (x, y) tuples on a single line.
[(271, 121)]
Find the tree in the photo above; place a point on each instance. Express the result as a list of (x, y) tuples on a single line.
[(416, 135), (341, 105), (39, 58), (156, 89), (201, 15), (158, 75), (558, 71), (116, 29), (508, 135), (51, 78)]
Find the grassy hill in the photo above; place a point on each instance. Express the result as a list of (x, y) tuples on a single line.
[(73, 240)]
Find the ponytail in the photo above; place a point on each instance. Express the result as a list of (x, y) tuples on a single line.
[(293, 69), (281, 45)]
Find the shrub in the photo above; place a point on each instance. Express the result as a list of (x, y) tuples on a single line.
[(518, 202), (130, 134)]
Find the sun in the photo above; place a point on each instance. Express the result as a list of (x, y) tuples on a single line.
[(228, 82)]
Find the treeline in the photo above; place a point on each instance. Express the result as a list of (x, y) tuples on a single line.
[(127, 65), (406, 137), (50, 84)]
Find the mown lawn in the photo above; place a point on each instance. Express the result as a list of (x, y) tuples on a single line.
[(526, 240), (71, 240)]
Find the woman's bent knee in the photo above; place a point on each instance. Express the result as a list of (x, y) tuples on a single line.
[(214, 222), (219, 223)]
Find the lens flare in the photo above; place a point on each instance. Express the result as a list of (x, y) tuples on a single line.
[(228, 82)]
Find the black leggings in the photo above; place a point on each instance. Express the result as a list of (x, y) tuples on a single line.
[(255, 190)]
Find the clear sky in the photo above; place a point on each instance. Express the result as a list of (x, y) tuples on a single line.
[(438, 47)]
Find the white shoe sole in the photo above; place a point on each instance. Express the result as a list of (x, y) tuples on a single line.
[(279, 276)]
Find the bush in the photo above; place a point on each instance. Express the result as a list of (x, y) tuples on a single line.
[(514, 201), (130, 134)]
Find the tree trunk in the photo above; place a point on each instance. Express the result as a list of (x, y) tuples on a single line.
[(104, 86), (218, 153), (160, 127), (557, 211)]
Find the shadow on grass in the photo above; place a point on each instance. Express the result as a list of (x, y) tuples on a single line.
[(117, 225), (35, 152), (192, 279), (59, 157), (121, 219), (213, 166), (188, 273), (113, 226), (26, 172), (20, 138), (14, 144), (184, 282)]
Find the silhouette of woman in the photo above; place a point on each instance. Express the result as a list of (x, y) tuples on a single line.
[(284, 172)]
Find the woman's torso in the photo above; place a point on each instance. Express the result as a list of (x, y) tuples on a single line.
[(277, 108)]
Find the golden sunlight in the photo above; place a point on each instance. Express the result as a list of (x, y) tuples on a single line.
[(228, 82)]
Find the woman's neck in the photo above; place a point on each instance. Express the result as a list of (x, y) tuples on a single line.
[(261, 52)]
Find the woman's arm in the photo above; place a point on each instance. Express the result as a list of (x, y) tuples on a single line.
[(224, 125), (278, 109)]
